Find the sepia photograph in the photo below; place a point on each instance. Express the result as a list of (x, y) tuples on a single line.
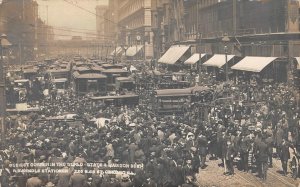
[(149, 93)]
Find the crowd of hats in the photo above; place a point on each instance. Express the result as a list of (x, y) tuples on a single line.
[(136, 135)]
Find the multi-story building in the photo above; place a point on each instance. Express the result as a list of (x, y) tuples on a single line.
[(134, 21), (111, 26), (248, 23), (167, 24), (100, 21), (3, 21), (19, 22), (45, 36)]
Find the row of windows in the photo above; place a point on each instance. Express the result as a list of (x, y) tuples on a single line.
[(135, 22), (204, 3), (131, 7)]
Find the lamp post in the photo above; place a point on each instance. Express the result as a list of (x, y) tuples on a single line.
[(124, 47), (226, 40), (199, 51), (138, 39), (4, 43), (115, 53)]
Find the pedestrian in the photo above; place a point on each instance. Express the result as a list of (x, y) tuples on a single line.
[(229, 156), (294, 166), (244, 147), (78, 180), (6, 175), (126, 181), (285, 155), (262, 159), (189, 182), (62, 179), (202, 149), (270, 143), (34, 181)]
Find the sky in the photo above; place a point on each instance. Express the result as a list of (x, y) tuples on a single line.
[(65, 16)]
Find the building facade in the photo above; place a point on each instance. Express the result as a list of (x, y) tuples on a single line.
[(135, 25), (100, 22), (111, 26), (239, 19), (27, 33), (167, 24)]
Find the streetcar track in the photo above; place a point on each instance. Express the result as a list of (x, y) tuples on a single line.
[(246, 179), (243, 178), (278, 177), (254, 180)]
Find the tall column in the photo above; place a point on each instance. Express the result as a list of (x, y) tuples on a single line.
[(2, 96)]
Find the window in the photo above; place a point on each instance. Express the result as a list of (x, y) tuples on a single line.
[(92, 85)]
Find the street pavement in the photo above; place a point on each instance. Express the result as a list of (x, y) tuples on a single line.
[(212, 176)]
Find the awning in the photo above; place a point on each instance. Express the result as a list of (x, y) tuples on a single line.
[(298, 60), (253, 63), (133, 50), (116, 51), (173, 54), (218, 60), (194, 58), (89, 76)]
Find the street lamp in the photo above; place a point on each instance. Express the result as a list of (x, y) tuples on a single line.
[(4, 43), (124, 47), (138, 39), (226, 40), (199, 36)]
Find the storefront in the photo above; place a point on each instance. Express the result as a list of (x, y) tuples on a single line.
[(263, 69)]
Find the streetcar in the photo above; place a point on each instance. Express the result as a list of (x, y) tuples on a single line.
[(22, 86), (125, 83), (179, 101), (60, 84)]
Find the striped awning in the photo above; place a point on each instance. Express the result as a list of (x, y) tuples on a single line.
[(218, 60), (116, 51), (194, 58), (253, 63), (173, 54), (298, 62), (133, 50)]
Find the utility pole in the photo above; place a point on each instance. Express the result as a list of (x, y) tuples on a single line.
[(23, 9), (47, 28), (234, 11), (35, 30), (3, 43)]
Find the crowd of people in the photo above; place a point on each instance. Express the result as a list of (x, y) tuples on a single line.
[(241, 132)]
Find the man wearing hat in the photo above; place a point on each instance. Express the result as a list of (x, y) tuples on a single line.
[(244, 147), (50, 184), (229, 156), (189, 182), (270, 143), (77, 180), (190, 142), (202, 149), (6, 175), (262, 158), (285, 155), (62, 179), (126, 181), (188, 170), (34, 182)]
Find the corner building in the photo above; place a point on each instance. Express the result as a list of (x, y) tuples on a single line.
[(135, 25)]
